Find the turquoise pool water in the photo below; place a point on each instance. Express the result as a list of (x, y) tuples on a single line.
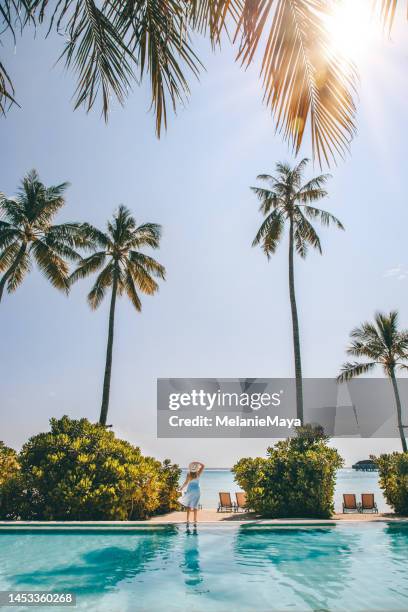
[(348, 481), (351, 568)]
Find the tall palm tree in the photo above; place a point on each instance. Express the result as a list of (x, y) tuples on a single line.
[(384, 345), (123, 269), (26, 233), (307, 80), (287, 202)]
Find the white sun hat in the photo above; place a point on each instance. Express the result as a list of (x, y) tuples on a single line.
[(193, 466)]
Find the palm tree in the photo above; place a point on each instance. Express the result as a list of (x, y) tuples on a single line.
[(26, 233), (111, 45), (383, 345), (123, 268), (287, 201)]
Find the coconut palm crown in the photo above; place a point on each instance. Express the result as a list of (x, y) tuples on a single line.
[(122, 268), (27, 234), (287, 202), (385, 346)]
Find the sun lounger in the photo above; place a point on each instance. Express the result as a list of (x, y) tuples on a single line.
[(226, 504), (350, 503), (368, 503), (241, 501)]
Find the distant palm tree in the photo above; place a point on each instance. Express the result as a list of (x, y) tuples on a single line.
[(287, 202), (123, 268), (384, 345), (26, 233)]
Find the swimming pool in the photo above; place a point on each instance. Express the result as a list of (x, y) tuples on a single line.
[(351, 567)]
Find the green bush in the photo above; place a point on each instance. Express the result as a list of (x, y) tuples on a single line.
[(81, 471), (9, 465), (296, 479), (9, 473), (393, 479)]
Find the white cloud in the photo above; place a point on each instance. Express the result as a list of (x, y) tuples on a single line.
[(400, 272)]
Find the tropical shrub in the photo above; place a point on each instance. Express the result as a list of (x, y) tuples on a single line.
[(8, 463), (296, 479), (9, 472), (393, 479), (81, 471)]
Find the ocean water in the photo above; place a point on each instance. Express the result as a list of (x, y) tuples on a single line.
[(218, 568), (348, 481)]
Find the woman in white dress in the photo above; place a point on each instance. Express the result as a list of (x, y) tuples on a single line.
[(191, 495)]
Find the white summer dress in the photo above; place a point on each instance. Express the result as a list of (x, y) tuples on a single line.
[(191, 495)]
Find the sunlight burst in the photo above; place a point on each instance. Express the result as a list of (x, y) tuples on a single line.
[(354, 29)]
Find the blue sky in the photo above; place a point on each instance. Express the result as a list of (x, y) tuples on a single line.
[(224, 310)]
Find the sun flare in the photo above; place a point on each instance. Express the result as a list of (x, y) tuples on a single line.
[(353, 29)]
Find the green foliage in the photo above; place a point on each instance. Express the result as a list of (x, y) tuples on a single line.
[(296, 479), (81, 471), (8, 463), (287, 200), (110, 46), (383, 344), (27, 234), (393, 478), (117, 257)]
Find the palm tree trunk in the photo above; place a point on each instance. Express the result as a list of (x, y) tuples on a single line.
[(295, 327), (399, 411), (108, 364), (11, 269)]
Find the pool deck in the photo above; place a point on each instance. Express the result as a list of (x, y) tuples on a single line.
[(206, 517), (212, 516)]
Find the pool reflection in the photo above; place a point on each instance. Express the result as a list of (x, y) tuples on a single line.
[(313, 563), (102, 568), (190, 565)]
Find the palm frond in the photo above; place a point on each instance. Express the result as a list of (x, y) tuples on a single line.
[(20, 267), (373, 349), (305, 78), (266, 177), (305, 234), (91, 237), (366, 332), (162, 47), (68, 233), (159, 38), (352, 370), (211, 16), (270, 233), (388, 9), (388, 327), (7, 92), (148, 263), (38, 202), (8, 234), (103, 281), (88, 266), (269, 199), (325, 217), (147, 234), (62, 249), (14, 15), (51, 265), (141, 277), (131, 292), (12, 209), (97, 51), (8, 255)]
